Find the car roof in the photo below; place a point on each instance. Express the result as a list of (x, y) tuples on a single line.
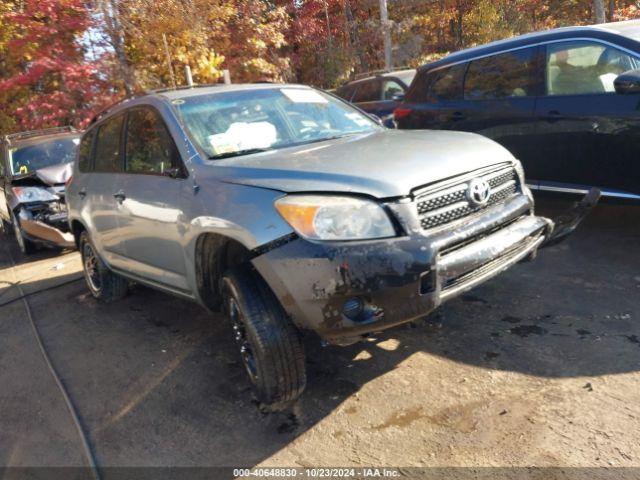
[(171, 94), (33, 137), (196, 90), (394, 73), (629, 29)]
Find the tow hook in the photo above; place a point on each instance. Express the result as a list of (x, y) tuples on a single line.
[(567, 222)]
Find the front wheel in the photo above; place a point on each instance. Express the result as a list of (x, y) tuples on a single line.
[(27, 247), (270, 346), (103, 284)]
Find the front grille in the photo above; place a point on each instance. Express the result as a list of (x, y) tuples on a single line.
[(445, 204)]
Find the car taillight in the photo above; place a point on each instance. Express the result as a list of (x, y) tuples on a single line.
[(401, 112), (68, 182)]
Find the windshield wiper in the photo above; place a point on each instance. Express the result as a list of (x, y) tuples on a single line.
[(238, 153)]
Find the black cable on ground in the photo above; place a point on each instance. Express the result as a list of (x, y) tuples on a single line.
[(67, 400), (35, 292)]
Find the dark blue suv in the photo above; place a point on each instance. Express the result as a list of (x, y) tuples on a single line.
[(566, 102)]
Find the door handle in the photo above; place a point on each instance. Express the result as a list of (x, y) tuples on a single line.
[(82, 192), (455, 116), (120, 196)]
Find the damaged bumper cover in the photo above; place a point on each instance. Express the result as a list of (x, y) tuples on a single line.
[(46, 227), (344, 291)]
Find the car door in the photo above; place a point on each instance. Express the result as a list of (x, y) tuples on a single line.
[(586, 134), (151, 193), (97, 195), (499, 99)]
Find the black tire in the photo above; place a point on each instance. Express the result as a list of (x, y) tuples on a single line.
[(270, 345), (103, 284), (27, 247)]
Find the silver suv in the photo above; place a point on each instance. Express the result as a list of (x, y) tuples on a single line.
[(292, 211)]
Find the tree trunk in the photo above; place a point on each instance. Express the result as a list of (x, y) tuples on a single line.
[(612, 10), (384, 21), (116, 34), (598, 7), (353, 37)]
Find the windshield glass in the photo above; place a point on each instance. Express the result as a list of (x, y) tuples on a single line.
[(229, 124), (36, 156)]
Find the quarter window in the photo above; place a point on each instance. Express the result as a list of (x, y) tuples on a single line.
[(107, 157), (149, 148), (583, 67), (511, 74), (447, 83), (84, 151)]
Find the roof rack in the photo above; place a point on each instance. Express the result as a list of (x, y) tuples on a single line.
[(38, 133)]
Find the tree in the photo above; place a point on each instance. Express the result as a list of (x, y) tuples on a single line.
[(49, 81), (598, 8)]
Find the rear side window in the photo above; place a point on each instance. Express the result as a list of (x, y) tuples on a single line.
[(444, 84), (149, 148), (367, 92), (84, 151), (511, 74), (107, 156)]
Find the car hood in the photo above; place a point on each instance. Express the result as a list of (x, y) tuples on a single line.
[(383, 164), (48, 176)]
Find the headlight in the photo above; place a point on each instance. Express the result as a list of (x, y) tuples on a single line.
[(33, 194), (318, 217)]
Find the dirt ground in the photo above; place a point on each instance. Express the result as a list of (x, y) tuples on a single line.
[(540, 366)]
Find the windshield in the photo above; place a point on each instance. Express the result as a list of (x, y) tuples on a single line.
[(34, 157), (235, 123)]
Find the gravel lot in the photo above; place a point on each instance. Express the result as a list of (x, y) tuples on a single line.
[(540, 366)]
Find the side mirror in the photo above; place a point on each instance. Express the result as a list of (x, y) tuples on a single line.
[(628, 83), (398, 97), (376, 119)]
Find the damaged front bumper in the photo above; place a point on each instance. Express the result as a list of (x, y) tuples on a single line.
[(344, 291), (45, 225)]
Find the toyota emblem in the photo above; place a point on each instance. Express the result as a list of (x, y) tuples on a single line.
[(478, 192)]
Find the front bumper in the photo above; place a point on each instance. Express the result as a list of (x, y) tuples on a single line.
[(397, 280), (41, 232)]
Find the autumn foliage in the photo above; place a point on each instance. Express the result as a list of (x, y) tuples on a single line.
[(61, 61)]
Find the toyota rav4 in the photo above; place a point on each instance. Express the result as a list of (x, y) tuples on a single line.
[(292, 211)]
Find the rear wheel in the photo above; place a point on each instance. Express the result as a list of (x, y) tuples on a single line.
[(26, 246), (103, 284), (270, 346)]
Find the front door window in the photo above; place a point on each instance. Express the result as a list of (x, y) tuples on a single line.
[(583, 67)]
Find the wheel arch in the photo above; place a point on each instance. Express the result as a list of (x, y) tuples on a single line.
[(214, 254), (77, 227)]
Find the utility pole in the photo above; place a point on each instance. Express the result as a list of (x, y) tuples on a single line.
[(384, 20), (598, 6)]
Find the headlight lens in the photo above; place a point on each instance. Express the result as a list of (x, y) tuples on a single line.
[(33, 194), (319, 217)]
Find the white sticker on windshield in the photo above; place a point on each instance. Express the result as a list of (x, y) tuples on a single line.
[(303, 95), (243, 136), (358, 118)]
